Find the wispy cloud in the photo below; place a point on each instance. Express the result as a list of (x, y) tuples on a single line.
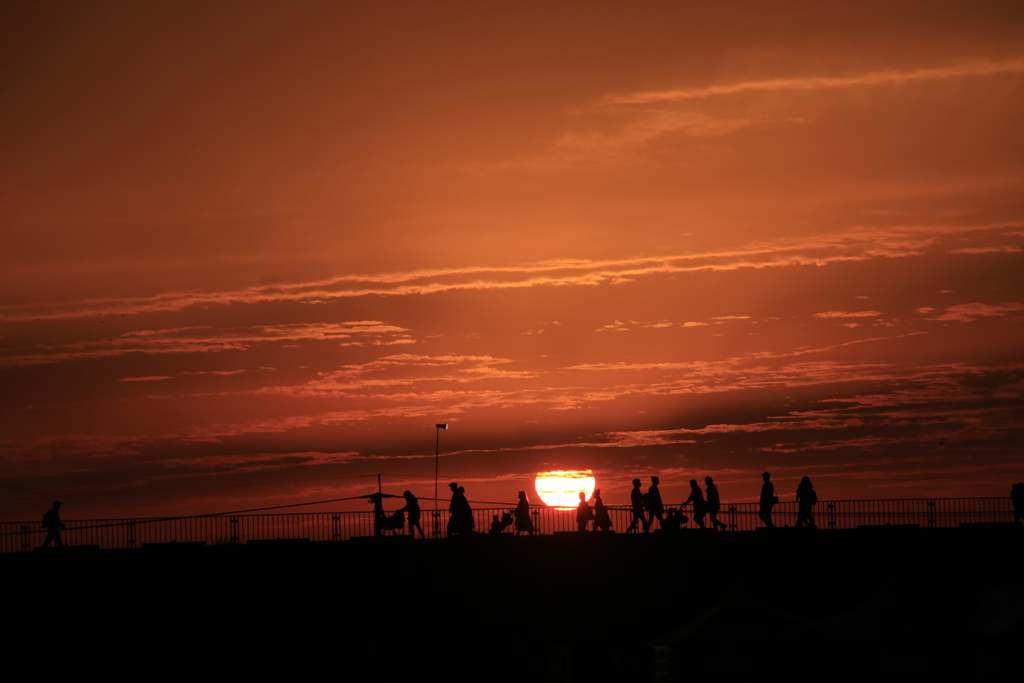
[(204, 339), (848, 314), (998, 249), (968, 312), (819, 250), (810, 83)]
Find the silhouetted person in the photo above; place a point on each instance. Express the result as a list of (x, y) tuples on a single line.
[(1017, 496), (602, 520), (522, 515), (460, 519), (655, 508), (636, 505), (412, 509), (583, 513), (714, 504), (806, 498), (768, 500), (700, 506), (53, 525)]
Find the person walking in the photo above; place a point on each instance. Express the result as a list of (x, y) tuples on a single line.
[(460, 519), (806, 498), (700, 506), (522, 514), (583, 513), (655, 508), (768, 500), (1017, 496), (636, 505), (602, 520), (53, 525), (412, 509), (714, 504)]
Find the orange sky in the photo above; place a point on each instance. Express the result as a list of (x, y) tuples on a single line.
[(253, 251)]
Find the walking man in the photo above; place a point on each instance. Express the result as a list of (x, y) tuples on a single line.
[(53, 525), (768, 500), (655, 508), (636, 504), (714, 503)]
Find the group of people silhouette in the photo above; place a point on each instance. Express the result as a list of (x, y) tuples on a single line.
[(806, 499), (645, 508)]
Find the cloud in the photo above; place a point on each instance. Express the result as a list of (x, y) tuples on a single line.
[(848, 314), (653, 114), (810, 83), (207, 339), (647, 127), (858, 244), (1000, 249), (219, 373), (151, 378), (968, 312)]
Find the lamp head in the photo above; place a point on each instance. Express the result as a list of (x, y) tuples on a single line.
[(442, 426)]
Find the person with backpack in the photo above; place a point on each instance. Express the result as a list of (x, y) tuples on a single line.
[(806, 498)]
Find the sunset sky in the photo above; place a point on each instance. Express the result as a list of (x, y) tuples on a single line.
[(253, 251)]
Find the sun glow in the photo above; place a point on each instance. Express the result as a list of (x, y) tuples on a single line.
[(561, 489)]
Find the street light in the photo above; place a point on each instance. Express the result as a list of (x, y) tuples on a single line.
[(437, 456)]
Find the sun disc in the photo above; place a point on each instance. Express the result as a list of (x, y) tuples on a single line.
[(561, 488)]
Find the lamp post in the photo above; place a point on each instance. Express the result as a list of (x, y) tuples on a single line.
[(437, 457)]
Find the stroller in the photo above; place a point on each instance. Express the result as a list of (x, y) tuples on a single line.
[(382, 521), (394, 522), (498, 526)]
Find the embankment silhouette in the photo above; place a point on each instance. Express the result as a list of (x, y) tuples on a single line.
[(847, 605)]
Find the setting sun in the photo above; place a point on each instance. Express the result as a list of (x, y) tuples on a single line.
[(561, 489)]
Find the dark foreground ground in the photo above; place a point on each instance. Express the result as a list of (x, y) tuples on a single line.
[(867, 604)]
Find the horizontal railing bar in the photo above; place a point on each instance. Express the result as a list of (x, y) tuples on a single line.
[(230, 528)]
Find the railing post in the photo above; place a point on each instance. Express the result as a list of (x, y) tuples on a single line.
[(234, 529), (732, 517), (931, 513), (131, 533), (26, 545), (337, 527), (536, 520), (831, 515)]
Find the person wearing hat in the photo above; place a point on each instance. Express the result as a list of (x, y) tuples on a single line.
[(53, 525)]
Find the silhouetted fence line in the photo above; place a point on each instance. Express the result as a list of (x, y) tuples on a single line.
[(344, 526)]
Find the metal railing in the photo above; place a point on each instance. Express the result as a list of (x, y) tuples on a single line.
[(343, 526)]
